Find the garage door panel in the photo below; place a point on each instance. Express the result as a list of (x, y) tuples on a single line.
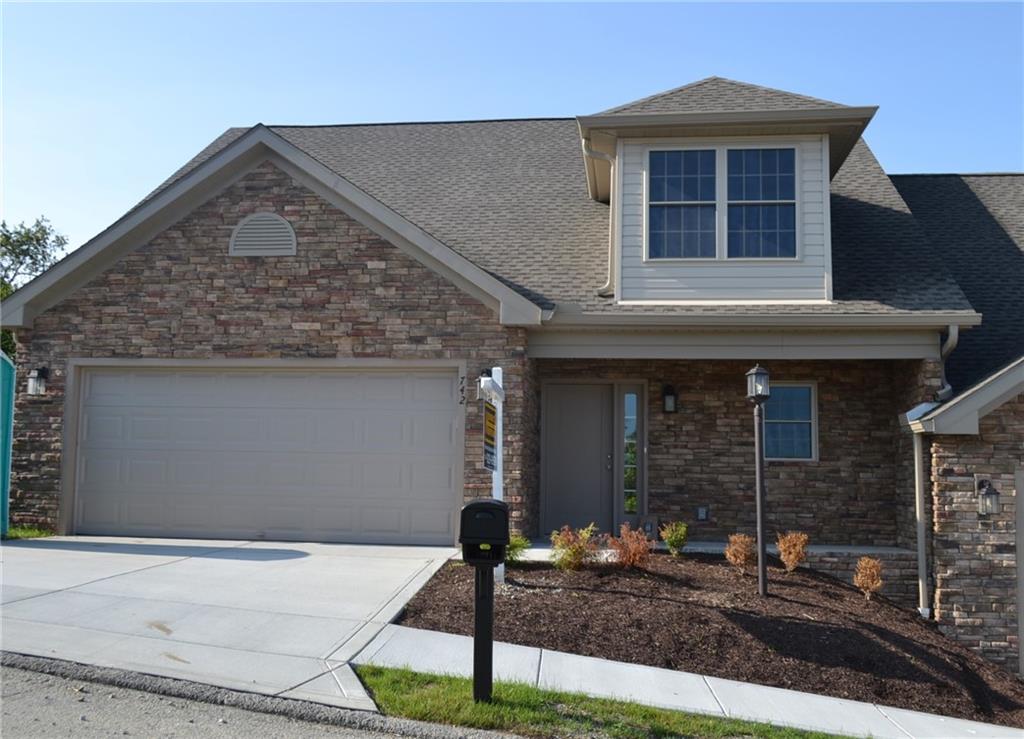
[(331, 456)]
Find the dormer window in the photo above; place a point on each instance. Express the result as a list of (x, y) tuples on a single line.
[(762, 203), (748, 214)]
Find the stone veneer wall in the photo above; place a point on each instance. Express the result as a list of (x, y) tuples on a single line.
[(899, 571), (703, 455), (346, 293), (975, 557)]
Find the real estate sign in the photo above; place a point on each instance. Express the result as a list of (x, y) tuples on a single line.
[(490, 436)]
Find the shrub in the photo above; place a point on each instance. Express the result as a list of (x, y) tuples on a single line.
[(793, 548), (868, 577), (741, 551), (632, 547), (573, 548), (517, 546), (674, 535)]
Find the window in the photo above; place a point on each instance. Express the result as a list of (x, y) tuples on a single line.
[(757, 204), (762, 203), (630, 490), (682, 205), (789, 422)]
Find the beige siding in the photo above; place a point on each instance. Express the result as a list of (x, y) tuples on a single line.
[(805, 278)]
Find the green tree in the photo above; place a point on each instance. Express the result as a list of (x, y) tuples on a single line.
[(25, 252)]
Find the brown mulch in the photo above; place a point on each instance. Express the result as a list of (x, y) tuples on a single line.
[(698, 614)]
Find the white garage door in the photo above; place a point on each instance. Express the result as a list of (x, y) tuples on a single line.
[(367, 456)]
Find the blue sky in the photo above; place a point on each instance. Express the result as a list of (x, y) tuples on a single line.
[(102, 102)]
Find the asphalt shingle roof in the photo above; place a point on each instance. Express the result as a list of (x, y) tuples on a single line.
[(976, 227), (717, 94), (511, 197)]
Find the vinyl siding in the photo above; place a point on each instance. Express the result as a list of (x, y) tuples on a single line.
[(802, 279)]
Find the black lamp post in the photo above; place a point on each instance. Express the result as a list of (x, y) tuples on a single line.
[(758, 392)]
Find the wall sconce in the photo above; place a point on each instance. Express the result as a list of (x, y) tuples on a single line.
[(668, 398), (988, 496), (37, 381)]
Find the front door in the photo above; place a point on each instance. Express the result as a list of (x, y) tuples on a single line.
[(577, 456), (592, 454)]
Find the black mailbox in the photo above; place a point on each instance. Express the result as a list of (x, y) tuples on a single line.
[(483, 532)]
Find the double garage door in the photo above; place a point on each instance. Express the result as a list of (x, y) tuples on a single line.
[(355, 456)]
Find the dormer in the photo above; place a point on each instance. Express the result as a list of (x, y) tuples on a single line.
[(719, 192)]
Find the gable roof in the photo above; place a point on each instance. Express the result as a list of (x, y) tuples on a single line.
[(718, 94), (962, 414), (975, 224), (508, 199)]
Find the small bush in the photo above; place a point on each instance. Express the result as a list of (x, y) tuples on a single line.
[(741, 552), (674, 535), (517, 546), (632, 547), (793, 548), (868, 577), (573, 548)]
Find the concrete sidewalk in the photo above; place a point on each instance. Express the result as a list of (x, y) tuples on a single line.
[(438, 653)]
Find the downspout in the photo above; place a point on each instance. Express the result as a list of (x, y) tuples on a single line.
[(923, 599), (606, 290), (952, 338)]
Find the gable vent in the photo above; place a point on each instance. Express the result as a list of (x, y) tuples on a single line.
[(262, 235)]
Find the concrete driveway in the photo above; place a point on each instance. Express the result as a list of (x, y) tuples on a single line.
[(277, 618)]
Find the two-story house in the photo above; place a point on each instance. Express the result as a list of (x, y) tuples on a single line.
[(281, 341)]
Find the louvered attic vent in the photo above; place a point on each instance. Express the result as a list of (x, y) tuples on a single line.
[(262, 235)]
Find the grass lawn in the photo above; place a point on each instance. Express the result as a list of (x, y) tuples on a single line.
[(27, 532), (530, 711)]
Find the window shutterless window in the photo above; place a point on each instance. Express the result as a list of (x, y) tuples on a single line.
[(758, 201), (762, 203), (790, 420), (682, 205)]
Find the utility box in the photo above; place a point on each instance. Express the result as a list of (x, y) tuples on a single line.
[(483, 532)]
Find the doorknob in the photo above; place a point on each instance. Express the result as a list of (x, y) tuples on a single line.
[(609, 465)]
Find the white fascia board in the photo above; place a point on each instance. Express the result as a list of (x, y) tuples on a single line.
[(832, 116), (217, 172), (962, 414), (567, 318)]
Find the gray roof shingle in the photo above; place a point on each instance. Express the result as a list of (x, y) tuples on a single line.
[(511, 197), (718, 95), (976, 227)]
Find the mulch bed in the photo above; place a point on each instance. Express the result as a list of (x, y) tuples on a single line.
[(698, 614)]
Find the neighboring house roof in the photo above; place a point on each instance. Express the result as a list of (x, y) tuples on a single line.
[(962, 414), (718, 94), (976, 227), (509, 197)]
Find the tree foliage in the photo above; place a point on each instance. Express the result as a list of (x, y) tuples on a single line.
[(25, 252)]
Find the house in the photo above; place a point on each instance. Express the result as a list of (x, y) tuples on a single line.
[(281, 341)]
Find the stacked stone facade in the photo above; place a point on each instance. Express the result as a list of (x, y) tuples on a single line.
[(703, 455), (345, 294), (976, 556)]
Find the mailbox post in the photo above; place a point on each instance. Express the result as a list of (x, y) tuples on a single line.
[(483, 534)]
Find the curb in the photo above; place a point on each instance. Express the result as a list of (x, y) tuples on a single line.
[(290, 708)]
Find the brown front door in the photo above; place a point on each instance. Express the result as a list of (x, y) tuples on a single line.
[(577, 459)]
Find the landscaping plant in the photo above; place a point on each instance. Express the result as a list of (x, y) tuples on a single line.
[(868, 577), (632, 547), (741, 552), (793, 548), (674, 536), (517, 546), (573, 548)]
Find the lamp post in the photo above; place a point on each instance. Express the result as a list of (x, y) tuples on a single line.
[(758, 392)]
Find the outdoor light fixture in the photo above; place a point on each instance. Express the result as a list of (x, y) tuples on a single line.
[(988, 496), (668, 398), (37, 381), (758, 390)]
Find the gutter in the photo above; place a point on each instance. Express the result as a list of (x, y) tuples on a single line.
[(606, 290), (952, 339)]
